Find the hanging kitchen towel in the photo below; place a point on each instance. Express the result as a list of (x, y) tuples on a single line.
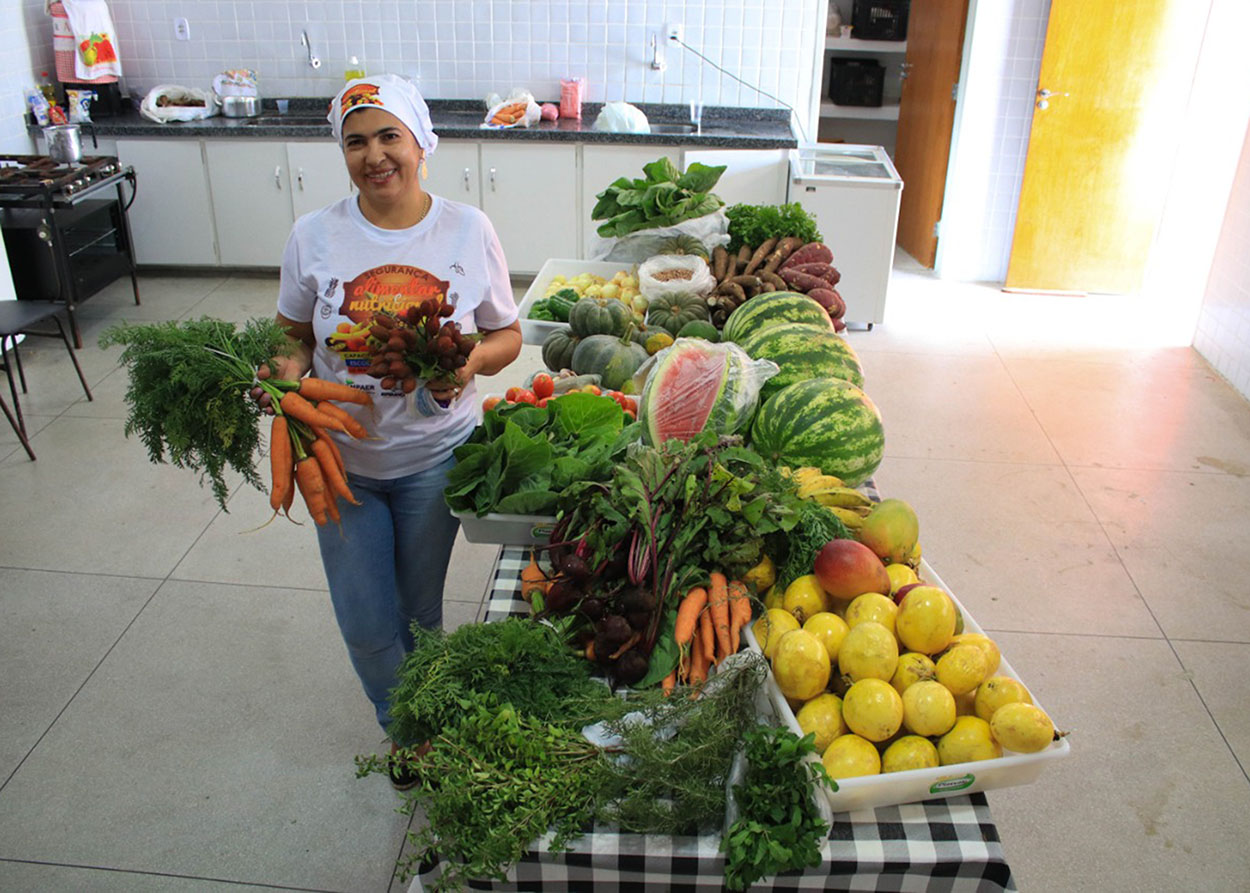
[(95, 39)]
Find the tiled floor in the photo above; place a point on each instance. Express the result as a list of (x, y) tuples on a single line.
[(177, 711)]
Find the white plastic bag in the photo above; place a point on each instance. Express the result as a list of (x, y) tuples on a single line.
[(174, 111), (621, 117), (669, 268), (519, 110), (710, 229), (706, 385)]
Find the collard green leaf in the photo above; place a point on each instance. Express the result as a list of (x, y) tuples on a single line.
[(662, 170), (700, 177)]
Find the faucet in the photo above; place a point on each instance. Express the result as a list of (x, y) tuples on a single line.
[(313, 61), (696, 115)]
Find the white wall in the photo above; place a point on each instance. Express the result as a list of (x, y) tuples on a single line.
[(25, 50), (1223, 334), (469, 48)]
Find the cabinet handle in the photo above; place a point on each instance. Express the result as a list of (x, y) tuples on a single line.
[(277, 177), (492, 179), (300, 177), (466, 180)]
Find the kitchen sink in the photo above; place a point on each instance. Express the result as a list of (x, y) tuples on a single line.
[(287, 121), (674, 128)]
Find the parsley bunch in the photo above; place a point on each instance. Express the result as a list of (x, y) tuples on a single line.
[(755, 224), (779, 827)]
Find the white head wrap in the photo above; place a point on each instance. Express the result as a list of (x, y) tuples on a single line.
[(390, 93)]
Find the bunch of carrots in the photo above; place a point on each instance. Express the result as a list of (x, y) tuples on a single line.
[(302, 455), (709, 625)]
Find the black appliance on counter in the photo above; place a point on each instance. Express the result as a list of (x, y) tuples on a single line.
[(65, 228)]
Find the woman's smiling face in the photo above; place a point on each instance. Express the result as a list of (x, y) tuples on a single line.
[(382, 157)]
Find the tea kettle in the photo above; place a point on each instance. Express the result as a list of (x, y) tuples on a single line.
[(65, 142)]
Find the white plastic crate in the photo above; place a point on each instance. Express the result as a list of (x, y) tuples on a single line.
[(507, 530), (893, 788), (535, 331)]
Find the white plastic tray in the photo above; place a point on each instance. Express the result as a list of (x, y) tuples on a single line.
[(508, 530), (893, 788), (535, 331)]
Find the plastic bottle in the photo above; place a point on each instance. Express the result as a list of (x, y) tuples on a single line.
[(354, 69), (46, 87)]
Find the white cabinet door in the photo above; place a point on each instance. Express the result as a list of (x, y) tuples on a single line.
[(454, 172), (317, 175), (752, 176), (604, 165), (171, 219), (530, 194), (251, 200)]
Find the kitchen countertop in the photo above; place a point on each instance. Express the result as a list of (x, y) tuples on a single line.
[(724, 127)]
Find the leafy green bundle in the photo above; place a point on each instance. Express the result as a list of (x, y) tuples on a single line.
[(755, 224), (664, 197), (508, 762), (188, 392), (779, 828), (521, 457)]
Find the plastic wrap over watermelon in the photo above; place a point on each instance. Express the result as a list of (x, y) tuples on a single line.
[(694, 385)]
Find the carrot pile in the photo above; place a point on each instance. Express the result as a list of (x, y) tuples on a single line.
[(302, 455), (709, 624)]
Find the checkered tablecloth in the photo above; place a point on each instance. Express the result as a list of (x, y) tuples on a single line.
[(935, 846)]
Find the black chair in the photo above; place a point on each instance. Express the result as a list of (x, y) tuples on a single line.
[(24, 318)]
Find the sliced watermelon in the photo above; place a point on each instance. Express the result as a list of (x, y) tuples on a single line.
[(694, 386)]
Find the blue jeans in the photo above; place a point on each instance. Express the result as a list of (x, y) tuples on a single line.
[(386, 569)]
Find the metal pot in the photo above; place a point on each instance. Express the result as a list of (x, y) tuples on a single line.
[(239, 106), (64, 143)]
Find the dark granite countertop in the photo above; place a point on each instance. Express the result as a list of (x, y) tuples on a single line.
[(722, 128)]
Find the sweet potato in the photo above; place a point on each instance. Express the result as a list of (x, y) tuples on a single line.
[(804, 282), (830, 300), (811, 253), (824, 271)]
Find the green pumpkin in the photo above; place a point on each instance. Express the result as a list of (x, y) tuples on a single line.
[(613, 359), (699, 328), (672, 311), (599, 316), (558, 349)]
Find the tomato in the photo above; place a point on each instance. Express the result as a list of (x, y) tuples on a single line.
[(630, 405), (544, 385), (592, 389), (490, 403), (513, 395), (542, 402), (526, 396)]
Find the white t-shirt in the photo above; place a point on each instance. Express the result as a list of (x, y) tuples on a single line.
[(338, 268)]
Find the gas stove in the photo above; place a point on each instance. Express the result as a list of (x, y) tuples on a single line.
[(39, 177)]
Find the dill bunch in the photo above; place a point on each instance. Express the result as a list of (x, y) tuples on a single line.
[(188, 392)]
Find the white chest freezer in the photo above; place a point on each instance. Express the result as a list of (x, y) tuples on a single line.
[(853, 192)]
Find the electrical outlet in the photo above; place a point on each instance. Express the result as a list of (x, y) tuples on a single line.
[(674, 33), (182, 29)]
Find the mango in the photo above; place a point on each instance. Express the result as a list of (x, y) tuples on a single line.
[(891, 530), (846, 569)]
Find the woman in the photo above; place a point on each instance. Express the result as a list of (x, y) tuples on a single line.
[(392, 245)]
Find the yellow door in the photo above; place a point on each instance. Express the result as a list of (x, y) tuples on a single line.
[(935, 39), (1111, 99)]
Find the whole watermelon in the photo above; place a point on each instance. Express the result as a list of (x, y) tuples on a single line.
[(825, 422), (695, 385), (803, 352), (774, 308)]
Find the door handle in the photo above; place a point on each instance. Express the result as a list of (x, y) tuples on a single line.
[(1043, 97), (277, 177), (300, 177), (492, 179), (904, 70), (466, 180)]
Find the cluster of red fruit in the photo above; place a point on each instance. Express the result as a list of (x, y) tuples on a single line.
[(542, 389), (418, 343)]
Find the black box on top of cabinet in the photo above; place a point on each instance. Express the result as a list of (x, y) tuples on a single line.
[(856, 81), (879, 19)]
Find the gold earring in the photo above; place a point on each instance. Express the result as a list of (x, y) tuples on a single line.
[(425, 171)]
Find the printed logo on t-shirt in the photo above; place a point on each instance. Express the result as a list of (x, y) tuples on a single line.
[(390, 288)]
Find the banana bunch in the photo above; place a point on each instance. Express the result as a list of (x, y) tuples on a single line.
[(848, 504)]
